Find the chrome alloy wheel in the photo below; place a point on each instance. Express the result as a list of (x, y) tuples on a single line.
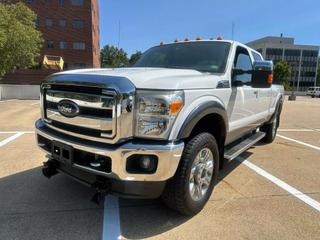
[(274, 126), (201, 174)]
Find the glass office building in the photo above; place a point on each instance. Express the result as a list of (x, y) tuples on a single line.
[(303, 59)]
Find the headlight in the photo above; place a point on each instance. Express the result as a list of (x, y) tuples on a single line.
[(156, 112)]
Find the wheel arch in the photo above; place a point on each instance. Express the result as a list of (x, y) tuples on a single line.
[(278, 107), (201, 119)]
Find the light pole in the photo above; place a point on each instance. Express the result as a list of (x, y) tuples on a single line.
[(293, 97)]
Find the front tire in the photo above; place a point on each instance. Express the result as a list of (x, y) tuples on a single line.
[(191, 187)]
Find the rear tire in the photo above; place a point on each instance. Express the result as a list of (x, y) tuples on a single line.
[(271, 129), (191, 187)]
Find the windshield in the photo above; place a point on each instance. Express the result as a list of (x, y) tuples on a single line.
[(202, 56)]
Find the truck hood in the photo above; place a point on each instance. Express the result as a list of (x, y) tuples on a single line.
[(155, 78)]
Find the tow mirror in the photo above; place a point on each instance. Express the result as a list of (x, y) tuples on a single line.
[(262, 74)]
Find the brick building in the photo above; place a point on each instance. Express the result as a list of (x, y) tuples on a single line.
[(70, 29)]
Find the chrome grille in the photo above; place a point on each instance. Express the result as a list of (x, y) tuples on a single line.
[(97, 118)]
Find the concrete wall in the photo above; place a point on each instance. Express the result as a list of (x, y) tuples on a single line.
[(10, 91)]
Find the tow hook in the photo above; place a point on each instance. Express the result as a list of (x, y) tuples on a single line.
[(49, 168), (102, 189)]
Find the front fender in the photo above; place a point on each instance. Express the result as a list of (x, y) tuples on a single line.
[(195, 111)]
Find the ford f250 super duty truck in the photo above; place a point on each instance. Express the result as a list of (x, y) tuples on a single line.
[(163, 127)]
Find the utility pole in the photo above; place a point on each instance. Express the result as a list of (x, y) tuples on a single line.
[(232, 31), (299, 75), (292, 97), (317, 66), (119, 34)]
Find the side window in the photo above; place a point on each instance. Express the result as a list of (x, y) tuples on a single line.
[(243, 61), (256, 56)]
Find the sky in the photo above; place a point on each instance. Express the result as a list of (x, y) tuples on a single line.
[(145, 23)]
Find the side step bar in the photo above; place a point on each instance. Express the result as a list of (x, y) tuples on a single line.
[(234, 151)]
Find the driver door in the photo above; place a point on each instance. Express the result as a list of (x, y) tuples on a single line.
[(244, 98)]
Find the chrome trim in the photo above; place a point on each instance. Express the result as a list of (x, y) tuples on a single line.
[(104, 124), (92, 100), (123, 114), (86, 137), (169, 156)]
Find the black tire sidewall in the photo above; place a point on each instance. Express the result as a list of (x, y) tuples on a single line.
[(207, 141)]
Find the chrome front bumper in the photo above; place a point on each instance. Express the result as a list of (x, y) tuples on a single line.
[(168, 155)]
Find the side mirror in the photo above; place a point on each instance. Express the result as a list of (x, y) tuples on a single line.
[(262, 74)]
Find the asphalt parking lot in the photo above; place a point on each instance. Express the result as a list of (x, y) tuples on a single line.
[(270, 192)]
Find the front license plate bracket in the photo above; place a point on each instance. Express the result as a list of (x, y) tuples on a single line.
[(62, 152)]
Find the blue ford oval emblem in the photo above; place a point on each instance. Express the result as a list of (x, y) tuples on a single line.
[(68, 108)]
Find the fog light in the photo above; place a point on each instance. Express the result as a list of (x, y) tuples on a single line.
[(143, 164)]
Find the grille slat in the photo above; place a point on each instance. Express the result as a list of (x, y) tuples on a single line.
[(103, 113), (96, 111)]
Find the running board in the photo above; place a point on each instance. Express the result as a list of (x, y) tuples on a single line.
[(234, 151)]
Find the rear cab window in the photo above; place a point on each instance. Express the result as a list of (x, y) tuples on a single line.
[(256, 56)]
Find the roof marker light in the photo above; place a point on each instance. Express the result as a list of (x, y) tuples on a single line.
[(186, 39), (219, 38), (176, 40), (198, 38), (161, 43)]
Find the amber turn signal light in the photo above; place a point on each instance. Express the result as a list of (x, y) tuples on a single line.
[(270, 78), (175, 106)]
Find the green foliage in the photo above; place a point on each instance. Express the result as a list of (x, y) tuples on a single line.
[(20, 41), (135, 57), (282, 73), (113, 57)]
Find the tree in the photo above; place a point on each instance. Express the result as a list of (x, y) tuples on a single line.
[(113, 57), (20, 41), (135, 57), (282, 73)]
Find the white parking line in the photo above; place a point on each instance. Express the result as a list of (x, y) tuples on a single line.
[(300, 142), (9, 100), (35, 103), (303, 197), (12, 132), (111, 219), (297, 130), (9, 139)]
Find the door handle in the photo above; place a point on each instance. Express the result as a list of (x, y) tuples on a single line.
[(256, 93)]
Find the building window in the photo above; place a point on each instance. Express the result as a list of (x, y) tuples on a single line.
[(61, 3), (47, 2), (79, 45), (77, 2), (62, 23), (63, 45), (77, 24), (49, 22), (50, 44), (30, 1)]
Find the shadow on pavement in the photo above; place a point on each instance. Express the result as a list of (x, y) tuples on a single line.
[(147, 218), (32, 207)]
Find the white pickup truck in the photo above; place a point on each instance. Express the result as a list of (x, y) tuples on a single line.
[(163, 127)]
